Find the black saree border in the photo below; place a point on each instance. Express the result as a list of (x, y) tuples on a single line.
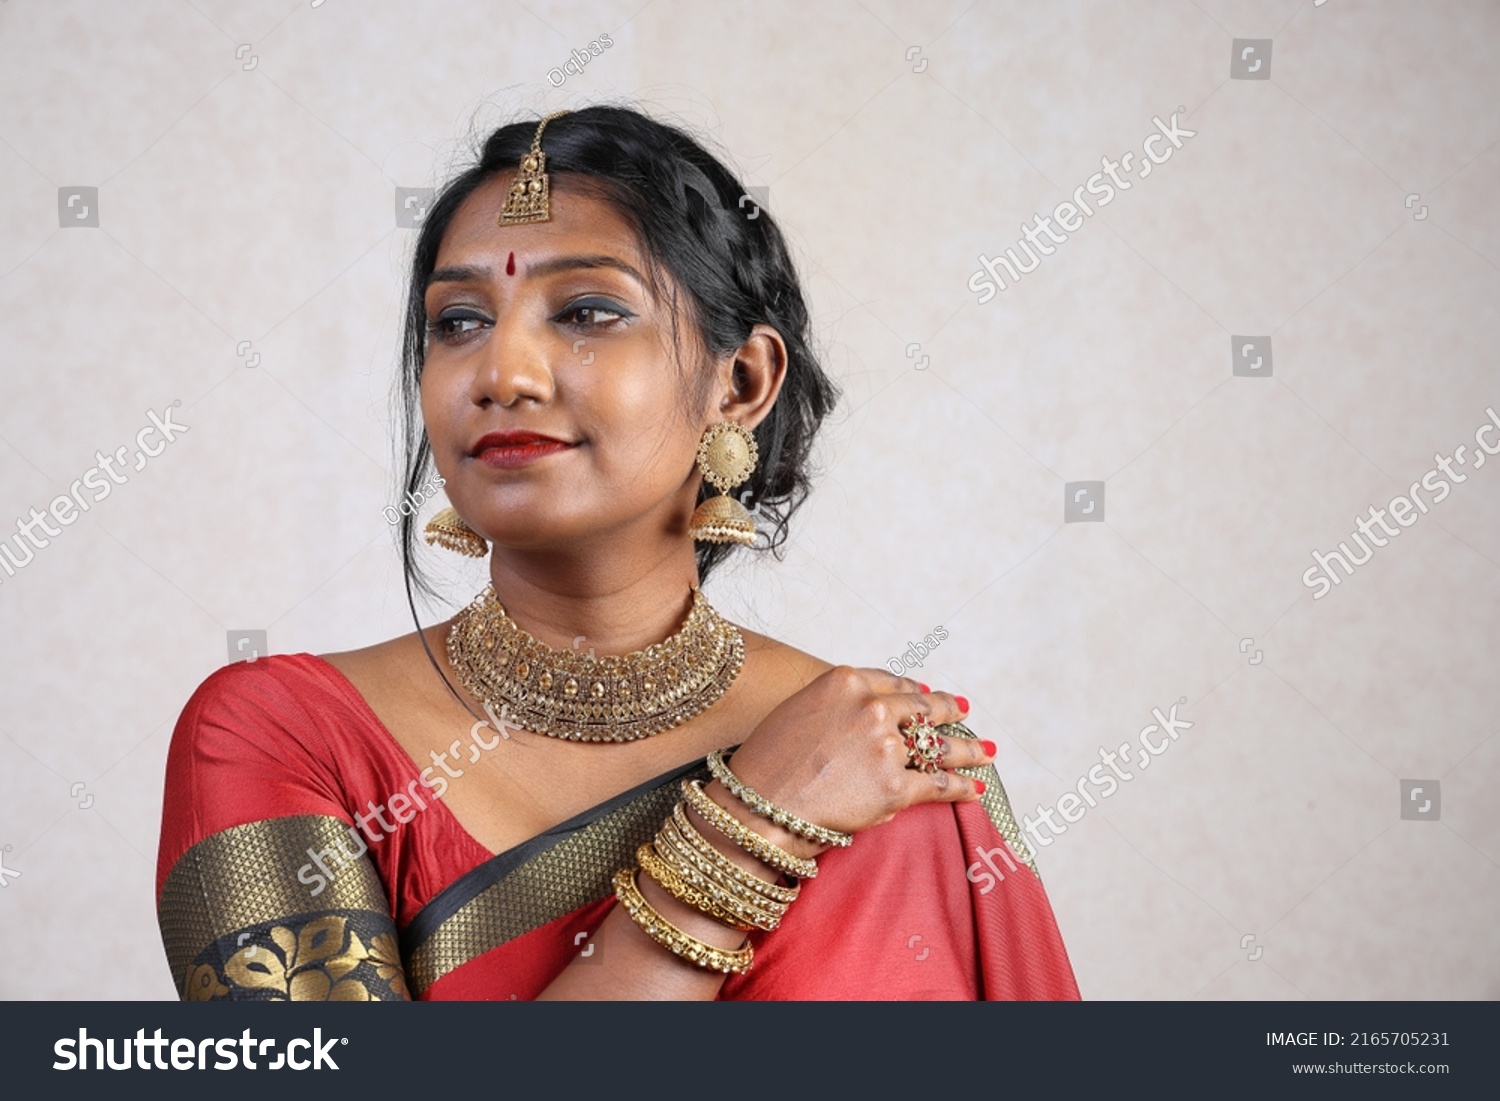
[(539, 880)]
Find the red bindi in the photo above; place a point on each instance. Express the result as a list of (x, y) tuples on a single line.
[(510, 265)]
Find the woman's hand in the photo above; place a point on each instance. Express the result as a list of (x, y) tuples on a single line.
[(833, 753)]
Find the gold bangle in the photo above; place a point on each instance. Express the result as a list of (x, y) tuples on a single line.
[(659, 929), (743, 836), (688, 833), (767, 809), (741, 904), (677, 885), (681, 832), (686, 864)]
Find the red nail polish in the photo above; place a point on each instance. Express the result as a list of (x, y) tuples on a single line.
[(979, 786), (963, 704), (923, 687), (989, 748)]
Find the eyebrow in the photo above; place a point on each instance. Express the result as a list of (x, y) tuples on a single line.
[(469, 273)]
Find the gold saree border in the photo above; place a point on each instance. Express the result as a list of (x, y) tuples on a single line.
[(995, 802), (245, 879), (566, 876)]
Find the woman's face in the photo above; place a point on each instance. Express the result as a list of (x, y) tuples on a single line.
[(550, 329)]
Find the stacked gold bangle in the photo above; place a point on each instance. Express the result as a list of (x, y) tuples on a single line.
[(695, 872), (743, 836), (737, 909), (667, 935), (767, 809), (712, 862)]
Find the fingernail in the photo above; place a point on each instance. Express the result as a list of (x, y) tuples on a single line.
[(963, 704), (979, 787), (989, 748), (923, 687)]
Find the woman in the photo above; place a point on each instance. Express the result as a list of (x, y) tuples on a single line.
[(597, 326)]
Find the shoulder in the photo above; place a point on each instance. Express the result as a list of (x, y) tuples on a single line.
[(776, 670), (279, 687), (780, 659), (395, 677), (277, 712), (257, 740)]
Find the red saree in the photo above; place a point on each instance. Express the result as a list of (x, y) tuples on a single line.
[(304, 855)]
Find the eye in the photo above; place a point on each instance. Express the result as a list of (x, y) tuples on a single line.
[(593, 313), (453, 327)]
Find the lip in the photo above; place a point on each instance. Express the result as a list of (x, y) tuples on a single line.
[(512, 449)]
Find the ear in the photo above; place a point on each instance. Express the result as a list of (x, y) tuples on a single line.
[(750, 379)]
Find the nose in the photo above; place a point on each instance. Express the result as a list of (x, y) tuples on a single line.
[(514, 366)]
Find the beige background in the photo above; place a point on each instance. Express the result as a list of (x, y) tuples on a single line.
[(257, 205)]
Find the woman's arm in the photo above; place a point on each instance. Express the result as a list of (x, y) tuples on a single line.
[(265, 890), (831, 753), (631, 965)]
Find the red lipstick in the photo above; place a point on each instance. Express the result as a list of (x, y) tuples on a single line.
[(512, 449)]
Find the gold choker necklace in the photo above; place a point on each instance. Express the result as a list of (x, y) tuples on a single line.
[(574, 695)]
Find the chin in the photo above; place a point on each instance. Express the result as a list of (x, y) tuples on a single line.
[(531, 530)]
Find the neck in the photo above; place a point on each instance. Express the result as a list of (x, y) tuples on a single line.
[(597, 598)]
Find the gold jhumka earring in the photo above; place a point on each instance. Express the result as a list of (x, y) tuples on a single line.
[(727, 455), (447, 529)]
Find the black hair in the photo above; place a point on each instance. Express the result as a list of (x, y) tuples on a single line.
[(695, 221)]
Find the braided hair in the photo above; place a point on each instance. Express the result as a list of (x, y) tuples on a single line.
[(727, 258)]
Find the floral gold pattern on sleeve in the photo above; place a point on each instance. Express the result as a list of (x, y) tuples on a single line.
[(323, 959), (239, 922), (203, 984)]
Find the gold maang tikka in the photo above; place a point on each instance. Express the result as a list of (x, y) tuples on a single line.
[(530, 195)]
